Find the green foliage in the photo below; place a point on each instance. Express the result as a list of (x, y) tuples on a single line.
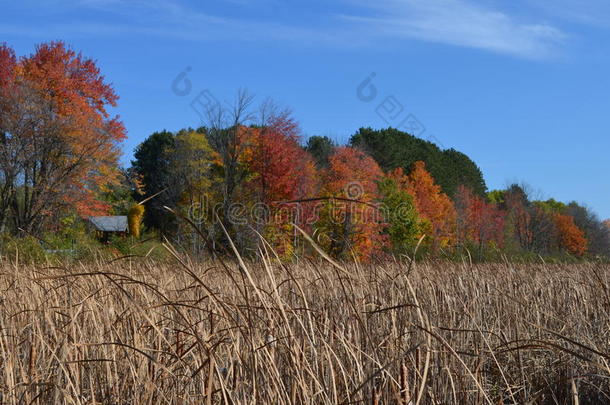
[(149, 247), (72, 240), (120, 195), (392, 148), (551, 206), (320, 148), (152, 164), (25, 249), (461, 170), (496, 197), (403, 223)]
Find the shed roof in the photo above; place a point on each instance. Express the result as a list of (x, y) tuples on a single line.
[(110, 224)]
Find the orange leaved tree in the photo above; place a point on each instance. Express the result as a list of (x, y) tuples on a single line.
[(351, 221), (571, 238), (63, 140), (433, 205)]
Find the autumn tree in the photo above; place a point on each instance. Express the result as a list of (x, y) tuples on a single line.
[(479, 223), (432, 205), (279, 168), (135, 215), (571, 238), (516, 203), (9, 148), (531, 223), (280, 171), (191, 169), (193, 177), (352, 226), (597, 234), (541, 226), (564, 235), (230, 131), (61, 139)]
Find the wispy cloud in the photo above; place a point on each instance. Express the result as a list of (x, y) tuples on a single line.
[(166, 19), (588, 12), (462, 23), (453, 22)]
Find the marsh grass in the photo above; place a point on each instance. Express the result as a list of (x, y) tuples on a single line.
[(135, 331)]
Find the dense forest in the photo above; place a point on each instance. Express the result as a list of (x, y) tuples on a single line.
[(249, 178)]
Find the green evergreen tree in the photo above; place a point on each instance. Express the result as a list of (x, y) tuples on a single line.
[(152, 165), (392, 148), (320, 147)]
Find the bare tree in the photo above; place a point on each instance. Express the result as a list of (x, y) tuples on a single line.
[(31, 152), (225, 126), (8, 173)]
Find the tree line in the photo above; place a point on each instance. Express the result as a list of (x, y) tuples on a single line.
[(365, 208), (249, 178)]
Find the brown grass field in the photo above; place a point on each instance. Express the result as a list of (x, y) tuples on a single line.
[(139, 332)]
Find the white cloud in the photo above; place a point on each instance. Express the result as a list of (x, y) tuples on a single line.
[(454, 22), (462, 23), (171, 18), (589, 12)]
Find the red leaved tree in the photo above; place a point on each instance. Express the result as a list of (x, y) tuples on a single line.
[(478, 222), (280, 171), (280, 168)]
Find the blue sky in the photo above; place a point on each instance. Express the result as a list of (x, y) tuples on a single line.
[(521, 87)]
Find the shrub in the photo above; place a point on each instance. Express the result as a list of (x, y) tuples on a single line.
[(134, 219), (25, 249)]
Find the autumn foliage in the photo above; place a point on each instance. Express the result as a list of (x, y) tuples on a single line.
[(59, 150), (55, 122), (75, 89), (433, 205), (571, 237), (134, 219), (279, 168), (352, 226), (279, 171), (8, 71), (479, 222)]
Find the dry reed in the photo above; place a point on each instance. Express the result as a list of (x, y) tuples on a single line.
[(137, 332)]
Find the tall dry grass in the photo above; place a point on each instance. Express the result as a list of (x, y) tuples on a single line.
[(135, 332)]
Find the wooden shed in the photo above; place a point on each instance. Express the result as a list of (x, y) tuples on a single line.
[(104, 227)]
